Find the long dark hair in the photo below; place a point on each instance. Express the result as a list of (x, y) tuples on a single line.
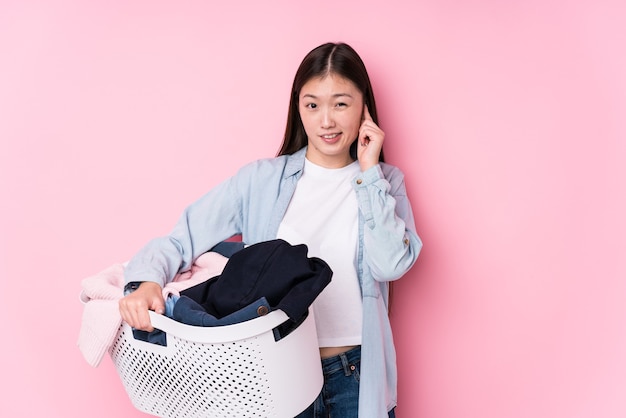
[(330, 58)]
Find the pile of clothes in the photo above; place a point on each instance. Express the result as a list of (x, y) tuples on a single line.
[(230, 284)]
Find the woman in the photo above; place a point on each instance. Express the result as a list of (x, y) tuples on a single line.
[(330, 189)]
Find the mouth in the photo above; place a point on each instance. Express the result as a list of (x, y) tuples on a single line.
[(330, 138)]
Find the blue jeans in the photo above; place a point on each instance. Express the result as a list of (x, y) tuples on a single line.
[(340, 394)]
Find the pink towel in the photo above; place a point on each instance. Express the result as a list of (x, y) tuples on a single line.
[(101, 316), (100, 295)]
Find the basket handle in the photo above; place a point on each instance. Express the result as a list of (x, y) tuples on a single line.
[(220, 334)]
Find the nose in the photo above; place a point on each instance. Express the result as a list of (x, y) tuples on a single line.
[(327, 119)]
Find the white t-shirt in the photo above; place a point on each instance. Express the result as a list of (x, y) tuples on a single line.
[(323, 214)]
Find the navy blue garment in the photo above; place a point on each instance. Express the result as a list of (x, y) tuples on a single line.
[(228, 248), (276, 270), (187, 311)]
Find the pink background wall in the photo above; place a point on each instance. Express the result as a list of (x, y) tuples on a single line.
[(508, 119)]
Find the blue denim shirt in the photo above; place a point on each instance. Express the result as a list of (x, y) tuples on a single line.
[(252, 203)]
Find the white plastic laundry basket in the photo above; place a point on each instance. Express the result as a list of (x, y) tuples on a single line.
[(229, 371)]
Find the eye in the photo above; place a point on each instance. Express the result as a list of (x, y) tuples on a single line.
[(310, 105), (341, 104)]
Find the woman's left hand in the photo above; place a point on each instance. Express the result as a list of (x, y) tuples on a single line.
[(370, 141)]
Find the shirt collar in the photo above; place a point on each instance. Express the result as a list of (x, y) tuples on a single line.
[(295, 163)]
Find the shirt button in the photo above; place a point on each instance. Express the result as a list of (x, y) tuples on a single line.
[(359, 181), (262, 310), (406, 241)]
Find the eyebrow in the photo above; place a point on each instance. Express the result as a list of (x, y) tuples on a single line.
[(312, 96)]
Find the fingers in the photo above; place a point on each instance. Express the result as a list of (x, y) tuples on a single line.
[(369, 131), (134, 307), (135, 313), (366, 113), (370, 141)]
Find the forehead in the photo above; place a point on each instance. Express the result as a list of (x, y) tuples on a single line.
[(329, 85)]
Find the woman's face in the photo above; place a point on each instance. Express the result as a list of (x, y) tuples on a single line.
[(331, 109)]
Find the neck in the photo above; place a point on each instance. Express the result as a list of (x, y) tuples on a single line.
[(337, 161)]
